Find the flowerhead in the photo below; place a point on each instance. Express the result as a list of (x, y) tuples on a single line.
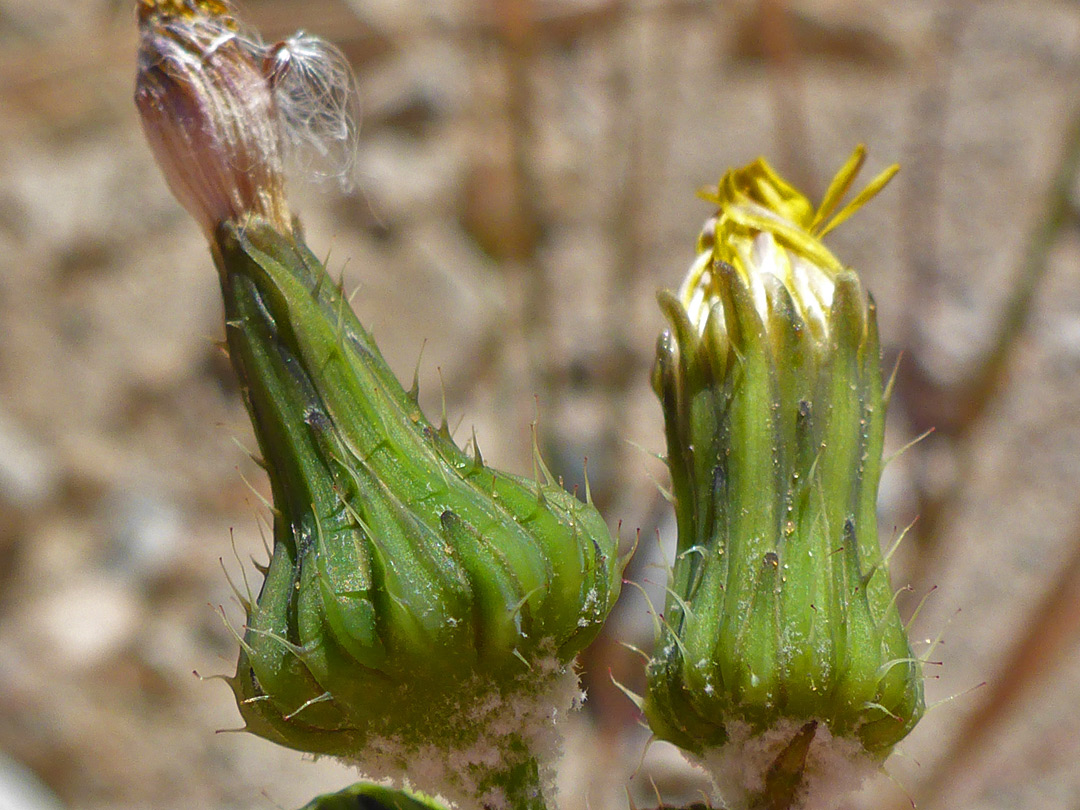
[(781, 617), (421, 611)]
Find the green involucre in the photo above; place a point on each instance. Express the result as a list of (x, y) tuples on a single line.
[(409, 582), (780, 607)]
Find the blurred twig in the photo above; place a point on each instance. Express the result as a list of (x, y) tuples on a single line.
[(1053, 627), (515, 26), (1058, 213), (921, 209), (956, 410), (924, 166)]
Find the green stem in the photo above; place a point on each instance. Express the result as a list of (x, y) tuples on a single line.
[(521, 785), (785, 775)]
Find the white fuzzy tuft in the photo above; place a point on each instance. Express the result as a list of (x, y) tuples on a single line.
[(835, 766), (480, 738)]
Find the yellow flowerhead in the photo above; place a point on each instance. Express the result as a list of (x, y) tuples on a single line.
[(781, 632)]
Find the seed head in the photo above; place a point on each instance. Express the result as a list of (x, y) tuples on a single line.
[(209, 114)]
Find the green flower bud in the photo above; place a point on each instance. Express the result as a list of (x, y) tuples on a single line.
[(412, 588), (781, 618), (421, 610)]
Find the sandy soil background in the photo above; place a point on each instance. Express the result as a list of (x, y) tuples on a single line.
[(526, 182)]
